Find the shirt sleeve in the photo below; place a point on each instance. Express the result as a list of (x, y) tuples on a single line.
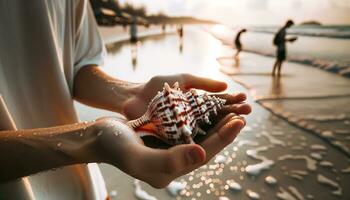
[(89, 46)]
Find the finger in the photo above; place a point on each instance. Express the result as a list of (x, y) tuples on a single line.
[(238, 108), (135, 107), (210, 85), (218, 126), (232, 98), (173, 160), (223, 121), (224, 136)]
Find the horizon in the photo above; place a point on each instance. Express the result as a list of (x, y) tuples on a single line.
[(253, 12)]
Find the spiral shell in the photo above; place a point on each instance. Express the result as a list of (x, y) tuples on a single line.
[(176, 115)]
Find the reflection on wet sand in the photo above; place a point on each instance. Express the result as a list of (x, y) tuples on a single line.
[(181, 45), (117, 46), (276, 87), (133, 48)]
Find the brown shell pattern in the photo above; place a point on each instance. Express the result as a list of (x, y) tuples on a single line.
[(176, 114)]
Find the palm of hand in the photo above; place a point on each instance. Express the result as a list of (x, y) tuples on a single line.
[(159, 167)]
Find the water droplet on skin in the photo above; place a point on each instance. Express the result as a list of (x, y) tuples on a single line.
[(59, 144), (19, 135), (35, 133), (81, 134)]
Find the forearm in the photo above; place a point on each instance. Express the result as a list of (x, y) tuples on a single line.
[(95, 88), (26, 152)]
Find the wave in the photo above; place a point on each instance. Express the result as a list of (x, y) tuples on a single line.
[(341, 68), (345, 35), (337, 67), (339, 32)]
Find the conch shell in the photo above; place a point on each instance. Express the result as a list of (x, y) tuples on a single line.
[(176, 115)]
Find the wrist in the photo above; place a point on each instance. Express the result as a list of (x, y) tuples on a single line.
[(114, 139), (124, 91)]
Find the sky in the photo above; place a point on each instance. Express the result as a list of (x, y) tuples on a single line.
[(254, 12)]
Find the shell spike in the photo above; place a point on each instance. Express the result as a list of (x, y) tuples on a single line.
[(186, 130), (143, 120), (176, 86), (200, 131), (167, 87)]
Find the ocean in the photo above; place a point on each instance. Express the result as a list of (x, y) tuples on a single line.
[(324, 47)]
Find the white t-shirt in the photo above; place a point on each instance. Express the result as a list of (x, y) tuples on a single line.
[(43, 44)]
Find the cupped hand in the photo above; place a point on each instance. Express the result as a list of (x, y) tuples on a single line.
[(136, 106), (120, 146)]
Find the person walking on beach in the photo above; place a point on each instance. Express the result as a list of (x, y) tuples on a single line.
[(238, 43), (180, 31), (50, 55), (280, 42), (133, 30)]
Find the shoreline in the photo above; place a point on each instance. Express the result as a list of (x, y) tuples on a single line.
[(332, 65), (111, 35)]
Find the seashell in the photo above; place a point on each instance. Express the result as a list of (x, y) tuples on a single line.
[(176, 115)]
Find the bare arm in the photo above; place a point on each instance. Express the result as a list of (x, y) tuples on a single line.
[(95, 88), (25, 152), (291, 39)]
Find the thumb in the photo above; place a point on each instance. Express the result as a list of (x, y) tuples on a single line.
[(202, 83), (174, 160)]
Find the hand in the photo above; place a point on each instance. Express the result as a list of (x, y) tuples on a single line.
[(137, 105), (120, 146), (293, 39)]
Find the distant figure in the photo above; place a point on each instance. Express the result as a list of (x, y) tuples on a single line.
[(133, 30), (238, 43), (280, 42), (163, 28), (134, 55), (180, 31)]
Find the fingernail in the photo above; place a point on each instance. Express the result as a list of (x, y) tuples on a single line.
[(239, 119), (193, 156)]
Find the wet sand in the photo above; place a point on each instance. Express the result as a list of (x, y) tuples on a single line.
[(300, 161)]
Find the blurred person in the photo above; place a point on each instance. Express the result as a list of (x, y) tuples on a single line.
[(180, 31), (238, 43), (163, 28), (133, 30), (280, 42), (50, 55)]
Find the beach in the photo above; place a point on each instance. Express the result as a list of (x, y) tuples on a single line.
[(296, 142)]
